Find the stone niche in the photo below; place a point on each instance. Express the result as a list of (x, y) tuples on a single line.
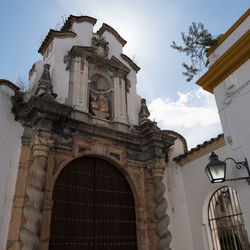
[(101, 97)]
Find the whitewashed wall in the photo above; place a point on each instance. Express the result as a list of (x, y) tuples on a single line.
[(198, 189), (233, 102), (180, 226), (10, 144), (189, 191)]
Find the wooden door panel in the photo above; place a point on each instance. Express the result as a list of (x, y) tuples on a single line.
[(93, 208)]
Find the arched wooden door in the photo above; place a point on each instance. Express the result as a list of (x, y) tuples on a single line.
[(93, 208)]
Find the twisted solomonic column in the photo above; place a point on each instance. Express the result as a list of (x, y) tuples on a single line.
[(157, 171), (29, 234)]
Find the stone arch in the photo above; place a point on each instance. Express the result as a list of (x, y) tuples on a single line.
[(122, 168), (86, 160), (115, 155), (222, 208), (207, 239), (102, 81)]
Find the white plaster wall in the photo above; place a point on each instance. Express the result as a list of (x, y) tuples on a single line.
[(84, 33), (179, 226), (198, 190), (230, 40), (61, 46), (10, 144), (115, 47), (233, 99), (233, 102), (59, 74)]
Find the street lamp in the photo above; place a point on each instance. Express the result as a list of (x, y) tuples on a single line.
[(216, 169)]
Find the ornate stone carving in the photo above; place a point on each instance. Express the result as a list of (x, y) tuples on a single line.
[(127, 85), (29, 234), (57, 162), (67, 59), (44, 85), (100, 46), (144, 113), (99, 106), (157, 170)]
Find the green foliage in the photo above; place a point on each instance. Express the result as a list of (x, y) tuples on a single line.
[(196, 43)]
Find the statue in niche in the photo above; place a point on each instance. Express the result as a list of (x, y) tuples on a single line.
[(93, 104), (103, 103), (99, 106)]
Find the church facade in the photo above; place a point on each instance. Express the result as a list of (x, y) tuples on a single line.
[(91, 167)]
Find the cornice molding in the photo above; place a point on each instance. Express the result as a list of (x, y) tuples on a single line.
[(179, 136), (77, 19), (9, 84), (130, 63), (229, 32), (88, 52), (201, 150), (146, 136), (231, 60), (106, 27), (54, 34)]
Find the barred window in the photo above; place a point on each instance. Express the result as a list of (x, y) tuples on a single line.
[(226, 221)]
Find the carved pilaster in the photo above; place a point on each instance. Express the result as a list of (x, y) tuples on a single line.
[(157, 170), (79, 86), (120, 99), (29, 234)]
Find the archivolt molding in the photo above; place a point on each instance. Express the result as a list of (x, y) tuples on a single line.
[(87, 148)]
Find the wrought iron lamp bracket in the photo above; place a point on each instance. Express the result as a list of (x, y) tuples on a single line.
[(239, 165)]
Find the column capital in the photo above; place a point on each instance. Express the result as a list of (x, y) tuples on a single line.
[(157, 167), (41, 145)]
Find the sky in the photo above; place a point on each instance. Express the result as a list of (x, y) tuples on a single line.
[(149, 27)]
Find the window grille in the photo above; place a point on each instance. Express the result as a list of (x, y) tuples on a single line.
[(226, 221)]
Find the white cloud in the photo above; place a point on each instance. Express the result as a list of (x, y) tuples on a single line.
[(194, 115)]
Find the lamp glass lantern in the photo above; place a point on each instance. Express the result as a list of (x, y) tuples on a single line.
[(216, 169)]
